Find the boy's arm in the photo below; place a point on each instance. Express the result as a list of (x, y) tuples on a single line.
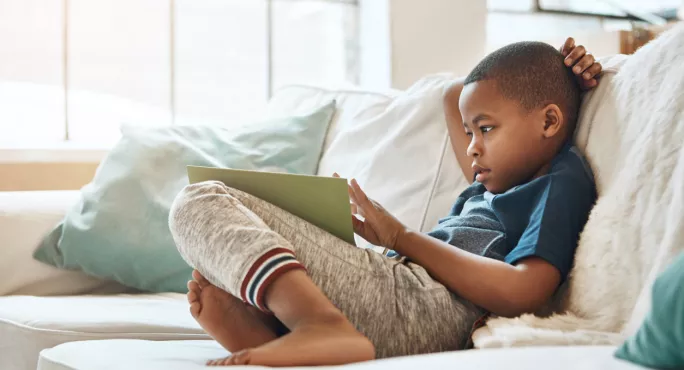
[(501, 288), (457, 134)]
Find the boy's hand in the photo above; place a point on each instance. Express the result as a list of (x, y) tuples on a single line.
[(583, 64), (379, 226)]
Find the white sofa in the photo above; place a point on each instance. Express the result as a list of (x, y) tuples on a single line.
[(53, 319)]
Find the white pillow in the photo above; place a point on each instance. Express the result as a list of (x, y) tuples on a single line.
[(448, 185), (395, 149), (394, 143), (352, 105)]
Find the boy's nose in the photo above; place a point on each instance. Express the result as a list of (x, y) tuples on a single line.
[(474, 148)]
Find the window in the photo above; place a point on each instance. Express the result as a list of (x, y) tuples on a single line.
[(77, 69), (618, 9), (629, 9), (592, 22)]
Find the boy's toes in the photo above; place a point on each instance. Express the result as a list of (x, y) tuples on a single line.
[(195, 309), (192, 296), (217, 362), (194, 286), (203, 282), (238, 358)]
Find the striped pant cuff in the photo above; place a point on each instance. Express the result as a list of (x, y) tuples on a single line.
[(263, 272)]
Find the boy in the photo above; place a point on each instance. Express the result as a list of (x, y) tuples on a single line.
[(312, 299)]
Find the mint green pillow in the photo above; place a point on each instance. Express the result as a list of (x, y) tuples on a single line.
[(659, 343), (119, 228)]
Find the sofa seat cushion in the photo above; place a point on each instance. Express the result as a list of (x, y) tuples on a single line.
[(31, 324), (188, 355)]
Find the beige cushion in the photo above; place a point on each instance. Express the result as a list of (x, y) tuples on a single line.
[(25, 217), (31, 324)]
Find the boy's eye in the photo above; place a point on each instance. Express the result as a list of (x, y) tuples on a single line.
[(486, 129), (469, 134)]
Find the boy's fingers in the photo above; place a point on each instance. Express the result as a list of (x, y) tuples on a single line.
[(592, 71), (588, 84), (352, 195), (350, 190), (586, 62), (192, 296), (356, 208), (575, 55), (358, 225), (355, 223), (567, 46), (360, 195), (591, 83)]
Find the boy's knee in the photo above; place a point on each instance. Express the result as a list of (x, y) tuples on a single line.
[(203, 188), (190, 197)]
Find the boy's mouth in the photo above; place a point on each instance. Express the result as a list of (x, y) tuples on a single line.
[(481, 173)]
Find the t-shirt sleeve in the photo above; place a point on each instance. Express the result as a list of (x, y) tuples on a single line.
[(555, 222)]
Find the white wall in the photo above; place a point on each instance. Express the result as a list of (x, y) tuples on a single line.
[(404, 40)]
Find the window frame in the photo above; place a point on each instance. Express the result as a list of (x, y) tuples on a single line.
[(172, 37)]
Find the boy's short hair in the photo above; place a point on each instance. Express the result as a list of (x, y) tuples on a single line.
[(534, 74)]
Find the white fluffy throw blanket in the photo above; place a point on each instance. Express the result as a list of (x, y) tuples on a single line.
[(632, 132)]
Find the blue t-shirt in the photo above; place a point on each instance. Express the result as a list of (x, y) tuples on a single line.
[(541, 218)]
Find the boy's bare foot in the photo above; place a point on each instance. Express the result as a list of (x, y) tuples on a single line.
[(333, 342), (226, 318)]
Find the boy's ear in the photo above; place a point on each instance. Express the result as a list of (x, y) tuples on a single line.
[(553, 120)]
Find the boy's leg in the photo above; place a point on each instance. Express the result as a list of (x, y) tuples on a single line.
[(242, 331), (394, 302), (320, 333), (213, 230), (210, 305)]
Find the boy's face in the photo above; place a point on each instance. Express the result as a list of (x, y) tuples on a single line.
[(507, 143)]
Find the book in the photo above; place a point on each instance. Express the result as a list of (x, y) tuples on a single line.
[(322, 201)]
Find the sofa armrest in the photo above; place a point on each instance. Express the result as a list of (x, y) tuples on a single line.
[(25, 217)]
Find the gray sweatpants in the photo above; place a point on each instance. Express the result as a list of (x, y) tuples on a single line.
[(241, 244)]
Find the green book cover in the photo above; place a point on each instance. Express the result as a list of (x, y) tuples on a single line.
[(322, 201)]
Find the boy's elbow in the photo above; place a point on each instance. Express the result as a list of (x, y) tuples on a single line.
[(516, 305), (529, 288), (517, 301)]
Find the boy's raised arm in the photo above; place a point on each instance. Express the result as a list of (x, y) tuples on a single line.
[(457, 134)]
